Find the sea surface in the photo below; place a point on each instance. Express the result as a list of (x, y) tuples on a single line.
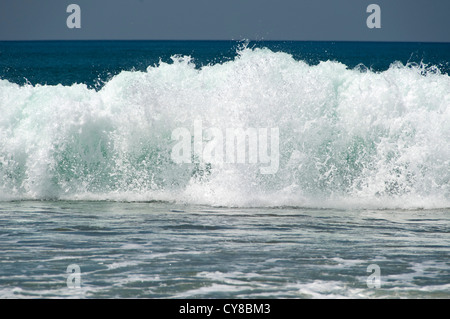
[(93, 203)]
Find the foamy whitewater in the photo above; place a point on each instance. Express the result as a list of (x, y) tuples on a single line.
[(94, 202), (349, 137)]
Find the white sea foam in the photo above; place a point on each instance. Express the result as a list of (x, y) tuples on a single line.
[(348, 137)]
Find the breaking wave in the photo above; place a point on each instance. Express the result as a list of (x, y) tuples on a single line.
[(347, 137)]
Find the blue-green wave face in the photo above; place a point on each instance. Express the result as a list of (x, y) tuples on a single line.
[(346, 136)]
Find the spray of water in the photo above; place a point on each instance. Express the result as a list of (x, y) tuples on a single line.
[(347, 137)]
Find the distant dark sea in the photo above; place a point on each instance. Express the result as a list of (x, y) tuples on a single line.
[(94, 62), (94, 204)]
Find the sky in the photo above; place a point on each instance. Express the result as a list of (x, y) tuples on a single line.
[(303, 20)]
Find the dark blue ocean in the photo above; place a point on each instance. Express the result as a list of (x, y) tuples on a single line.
[(224, 169), (94, 62)]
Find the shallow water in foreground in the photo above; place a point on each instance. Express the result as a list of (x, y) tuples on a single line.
[(167, 250)]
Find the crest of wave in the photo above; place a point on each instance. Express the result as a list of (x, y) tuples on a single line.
[(347, 137)]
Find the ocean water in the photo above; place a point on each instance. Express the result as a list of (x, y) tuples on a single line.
[(358, 206)]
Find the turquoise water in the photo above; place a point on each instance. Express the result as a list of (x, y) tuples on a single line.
[(88, 180)]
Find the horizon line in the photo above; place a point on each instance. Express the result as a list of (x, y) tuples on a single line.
[(217, 40)]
